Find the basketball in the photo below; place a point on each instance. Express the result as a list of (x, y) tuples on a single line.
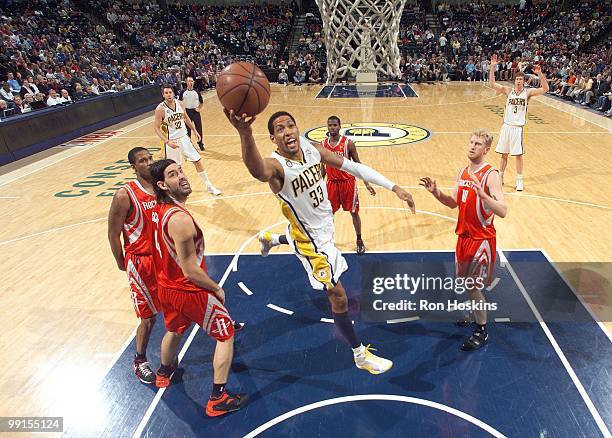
[(244, 88)]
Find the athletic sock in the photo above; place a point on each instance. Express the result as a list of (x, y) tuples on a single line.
[(481, 328), (282, 239), (519, 177), (217, 390), (138, 357), (359, 351), (165, 370), (345, 326), (204, 177)]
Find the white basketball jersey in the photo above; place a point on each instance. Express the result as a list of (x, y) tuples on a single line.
[(303, 198), (516, 108), (175, 119)]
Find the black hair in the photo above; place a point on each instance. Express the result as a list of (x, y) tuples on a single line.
[(157, 173), (275, 116), (336, 118), (132, 154)]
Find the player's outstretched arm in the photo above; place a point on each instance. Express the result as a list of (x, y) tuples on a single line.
[(497, 87), (118, 213), (432, 187), (493, 201), (365, 173), (263, 170), (182, 231), (353, 155), (543, 88)]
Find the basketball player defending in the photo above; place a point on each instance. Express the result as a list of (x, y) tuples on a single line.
[(186, 293), (515, 115), (295, 175), (341, 186), (172, 113), (479, 196), (130, 215)]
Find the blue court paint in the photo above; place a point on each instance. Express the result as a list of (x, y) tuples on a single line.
[(516, 384), (353, 91)]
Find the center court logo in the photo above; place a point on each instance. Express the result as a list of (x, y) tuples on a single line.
[(373, 134)]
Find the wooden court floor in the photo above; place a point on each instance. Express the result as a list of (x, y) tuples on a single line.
[(66, 309)]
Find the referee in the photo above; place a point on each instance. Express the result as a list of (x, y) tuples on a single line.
[(192, 100)]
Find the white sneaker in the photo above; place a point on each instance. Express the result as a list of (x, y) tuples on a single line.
[(372, 363), (213, 190), (519, 185), (265, 243)]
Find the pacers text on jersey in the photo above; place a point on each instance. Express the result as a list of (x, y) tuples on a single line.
[(308, 178)]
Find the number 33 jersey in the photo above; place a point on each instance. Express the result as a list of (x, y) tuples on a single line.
[(303, 197)]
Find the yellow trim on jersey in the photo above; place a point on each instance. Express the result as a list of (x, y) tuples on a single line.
[(321, 269)]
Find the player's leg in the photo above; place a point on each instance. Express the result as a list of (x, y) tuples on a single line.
[(350, 202), (176, 324), (518, 150), (143, 288), (503, 148), (192, 155), (268, 240), (357, 225)]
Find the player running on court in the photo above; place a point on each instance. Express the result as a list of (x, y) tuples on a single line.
[(294, 174), (130, 216), (478, 195), (515, 116), (171, 113)]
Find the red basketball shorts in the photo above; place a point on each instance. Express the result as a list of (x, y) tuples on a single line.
[(203, 308), (343, 193), (475, 258), (143, 285)]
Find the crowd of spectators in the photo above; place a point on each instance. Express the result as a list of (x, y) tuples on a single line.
[(53, 54)]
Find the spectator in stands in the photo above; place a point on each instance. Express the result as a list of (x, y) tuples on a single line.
[(314, 76), (14, 84), (39, 101), (4, 111), (29, 86), (20, 106), (5, 92), (600, 87), (78, 93), (27, 101), (300, 76), (127, 85), (53, 98), (95, 86), (283, 78), (65, 96)]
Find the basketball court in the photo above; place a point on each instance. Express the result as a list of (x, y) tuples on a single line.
[(69, 325)]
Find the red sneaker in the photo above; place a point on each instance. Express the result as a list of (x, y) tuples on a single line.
[(225, 404)]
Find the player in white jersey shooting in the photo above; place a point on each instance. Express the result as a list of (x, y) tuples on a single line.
[(178, 144), (515, 115), (294, 173)]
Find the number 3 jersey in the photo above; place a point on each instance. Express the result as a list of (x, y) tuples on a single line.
[(303, 197)]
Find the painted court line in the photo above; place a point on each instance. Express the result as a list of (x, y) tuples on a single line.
[(328, 320), (245, 289), (601, 325), (5, 242), (388, 397), (502, 319), (400, 320), (280, 309), (587, 400)]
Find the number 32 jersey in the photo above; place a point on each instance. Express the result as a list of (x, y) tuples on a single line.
[(175, 120), (303, 197)]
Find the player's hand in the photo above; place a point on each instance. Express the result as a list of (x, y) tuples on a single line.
[(173, 144), (477, 185), (370, 189), (242, 125), (220, 293), (537, 69), (429, 184), (198, 136), (405, 196), (494, 60)]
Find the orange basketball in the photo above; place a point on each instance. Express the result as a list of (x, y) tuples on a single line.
[(244, 88)]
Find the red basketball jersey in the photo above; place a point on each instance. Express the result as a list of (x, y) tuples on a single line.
[(341, 148), (137, 229), (169, 273), (474, 221)]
